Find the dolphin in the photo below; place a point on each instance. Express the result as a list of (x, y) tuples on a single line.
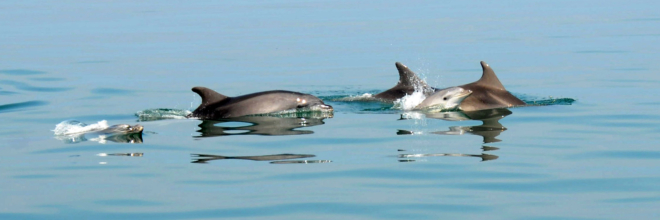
[(446, 99), (488, 93), (408, 83), (121, 133), (215, 105)]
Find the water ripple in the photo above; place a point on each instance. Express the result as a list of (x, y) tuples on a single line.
[(601, 51), (127, 202), (21, 72), (21, 105), (634, 200), (637, 155), (47, 79), (7, 93), (400, 174), (27, 87), (570, 185), (35, 176), (391, 210), (111, 91)]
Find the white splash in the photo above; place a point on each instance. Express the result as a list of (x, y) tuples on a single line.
[(413, 115), (409, 102), (70, 127)]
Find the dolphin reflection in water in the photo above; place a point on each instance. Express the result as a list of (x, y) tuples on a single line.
[(483, 156), (275, 158), (489, 129), (258, 125)]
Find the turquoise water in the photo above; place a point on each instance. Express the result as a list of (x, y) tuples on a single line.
[(593, 158)]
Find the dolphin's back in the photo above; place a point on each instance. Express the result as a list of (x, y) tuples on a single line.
[(488, 93), (258, 103), (215, 105)]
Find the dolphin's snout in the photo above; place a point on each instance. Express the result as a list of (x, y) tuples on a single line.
[(138, 128), (326, 107)]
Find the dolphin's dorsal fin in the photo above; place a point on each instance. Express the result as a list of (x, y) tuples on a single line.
[(408, 78), (488, 78), (208, 95)]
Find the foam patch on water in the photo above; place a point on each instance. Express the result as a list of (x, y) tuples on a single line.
[(75, 127), (540, 101), (357, 98), (409, 102), (549, 101), (161, 114)]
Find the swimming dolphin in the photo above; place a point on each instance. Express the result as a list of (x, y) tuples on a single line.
[(121, 133), (446, 99), (216, 106), (408, 83), (488, 93)]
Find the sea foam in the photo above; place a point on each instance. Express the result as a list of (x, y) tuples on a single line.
[(408, 102), (70, 127)]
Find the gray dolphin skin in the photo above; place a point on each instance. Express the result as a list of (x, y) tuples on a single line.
[(446, 99), (408, 83), (215, 105), (122, 129), (488, 93)]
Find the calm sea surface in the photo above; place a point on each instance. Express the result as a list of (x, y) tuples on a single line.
[(595, 158)]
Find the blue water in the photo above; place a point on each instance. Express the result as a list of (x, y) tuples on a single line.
[(596, 157)]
